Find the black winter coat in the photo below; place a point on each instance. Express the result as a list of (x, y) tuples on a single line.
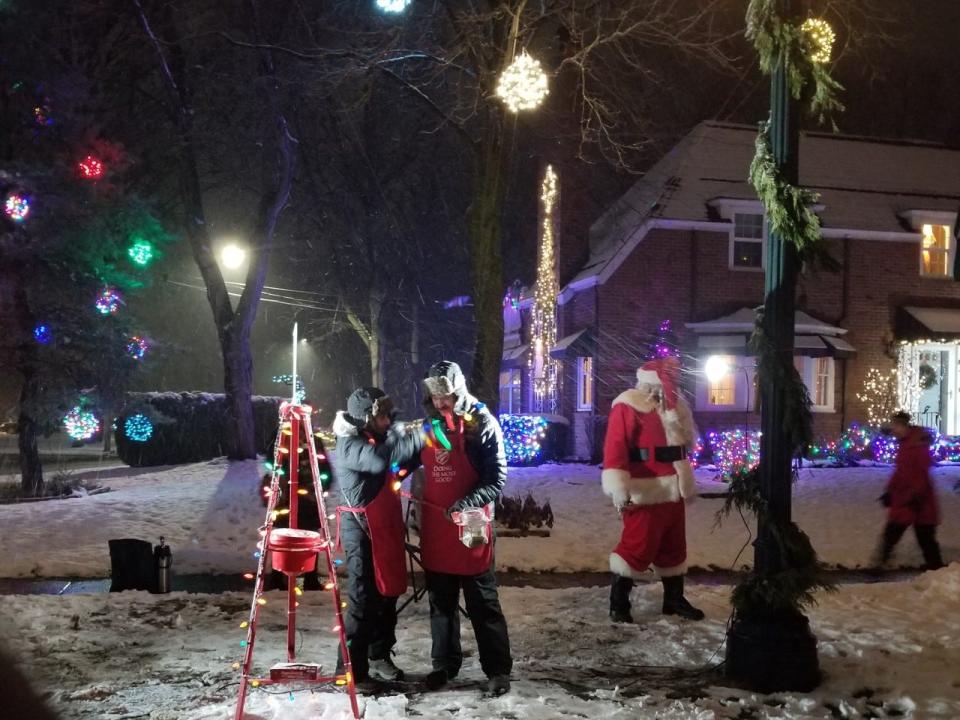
[(362, 466)]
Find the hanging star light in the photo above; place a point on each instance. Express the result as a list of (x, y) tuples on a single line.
[(108, 301), (80, 424), (140, 252), (393, 6), (821, 37), (17, 207), (523, 84), (90, 168)]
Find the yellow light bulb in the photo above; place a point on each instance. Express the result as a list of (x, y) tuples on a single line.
[(261, 601), (244, 624)]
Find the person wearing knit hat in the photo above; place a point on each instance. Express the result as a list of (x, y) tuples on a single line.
[(371, 448), (465, 469), (649, 478)]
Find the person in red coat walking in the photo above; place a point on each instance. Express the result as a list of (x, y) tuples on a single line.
[(909, 496), (649, 478)]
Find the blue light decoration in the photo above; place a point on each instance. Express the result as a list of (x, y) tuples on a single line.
[(393, 6), (42, 334), (138, 428), (521, 437), (80, 424), (108, 301)]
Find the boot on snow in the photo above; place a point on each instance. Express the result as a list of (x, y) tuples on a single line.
[(620, 599), (385, 670), (674, 603)]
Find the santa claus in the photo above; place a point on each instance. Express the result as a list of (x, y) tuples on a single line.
[(649, 478)]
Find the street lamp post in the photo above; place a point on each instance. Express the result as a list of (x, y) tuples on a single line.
[(774, 651)]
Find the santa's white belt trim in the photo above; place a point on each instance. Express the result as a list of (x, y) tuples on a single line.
[(640, 491)]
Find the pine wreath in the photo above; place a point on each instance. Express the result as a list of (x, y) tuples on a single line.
[(928, 376)]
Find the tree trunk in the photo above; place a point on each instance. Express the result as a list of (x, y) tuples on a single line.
[(31, 469), (486, 267), (107, 412), (240, 437), (376, 344)]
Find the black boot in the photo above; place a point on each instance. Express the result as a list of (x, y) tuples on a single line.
[(674, 603), (620, 599)]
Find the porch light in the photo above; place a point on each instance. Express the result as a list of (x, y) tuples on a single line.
[(716, 368)]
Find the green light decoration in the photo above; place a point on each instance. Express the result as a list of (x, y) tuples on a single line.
[(440, 435), (141, 252)]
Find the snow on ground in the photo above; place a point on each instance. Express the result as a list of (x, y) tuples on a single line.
[(887, 650), (209, 514)]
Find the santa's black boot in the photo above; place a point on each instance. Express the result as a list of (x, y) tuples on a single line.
[(674, 603), (620, 599)]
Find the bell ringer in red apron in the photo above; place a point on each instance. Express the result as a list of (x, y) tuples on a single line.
[(465, 468), (371, 527), (648, 476)]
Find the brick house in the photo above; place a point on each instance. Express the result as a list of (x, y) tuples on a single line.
[(685, 244)]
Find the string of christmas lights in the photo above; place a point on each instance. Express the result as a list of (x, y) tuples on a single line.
[(543, 331), (821, 38), (734, 450), (523, 84), (138, 428), (879, 394), (80, 424)]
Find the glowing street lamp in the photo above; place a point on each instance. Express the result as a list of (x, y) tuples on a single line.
[(716, 368), (232, 256), (393, 6)]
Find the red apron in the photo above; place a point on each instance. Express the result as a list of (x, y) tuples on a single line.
[(387, 539), (448, 477)]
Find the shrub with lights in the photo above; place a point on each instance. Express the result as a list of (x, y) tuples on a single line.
[(522, 437), (734, 451)]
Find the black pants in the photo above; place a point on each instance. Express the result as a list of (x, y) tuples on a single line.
[(926, 538), (370, 620), (483, 607)]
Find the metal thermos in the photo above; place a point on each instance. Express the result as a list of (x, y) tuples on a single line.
[(164, 559)]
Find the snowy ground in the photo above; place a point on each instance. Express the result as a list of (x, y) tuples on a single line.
[(887, 650), (209, 513)]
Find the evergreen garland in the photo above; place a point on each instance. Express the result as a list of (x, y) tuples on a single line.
[(788, 210)]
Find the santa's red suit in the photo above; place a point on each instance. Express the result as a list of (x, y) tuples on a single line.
[(647, 474)]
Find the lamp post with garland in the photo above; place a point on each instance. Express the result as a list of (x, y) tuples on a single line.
[(770, 646)]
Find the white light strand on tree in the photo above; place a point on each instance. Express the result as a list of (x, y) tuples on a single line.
[(543, 369), (523, 84), (879, 395)]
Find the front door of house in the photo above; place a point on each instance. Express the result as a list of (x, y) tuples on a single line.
[(937, 376)]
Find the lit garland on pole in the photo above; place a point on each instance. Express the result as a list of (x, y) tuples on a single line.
[(138, 428), (80, 424), (521, 438), (543, 369), (523, 84)]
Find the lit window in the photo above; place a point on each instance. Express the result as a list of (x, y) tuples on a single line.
[(746, 241), (817, 374), (584, 383), (510, 391), (935, 251), (723, 391)]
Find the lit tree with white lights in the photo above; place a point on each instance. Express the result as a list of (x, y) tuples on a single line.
[(544, 313)]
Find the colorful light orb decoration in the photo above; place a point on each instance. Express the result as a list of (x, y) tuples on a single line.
[(521, 438), (523, 84), (884, 449), (141, 252), (108, 301), (80, 424), (734, 451), (17, 207), (42, 334), (393, 6), (821, 38), (41, 116), (137, 347), (90, 168), (138, 428)]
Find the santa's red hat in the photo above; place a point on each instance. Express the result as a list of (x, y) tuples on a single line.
[(663, 372)]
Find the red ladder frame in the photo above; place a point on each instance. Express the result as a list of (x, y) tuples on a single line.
[(295, 419)]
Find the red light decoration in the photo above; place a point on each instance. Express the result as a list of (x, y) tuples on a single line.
[(90, 168)]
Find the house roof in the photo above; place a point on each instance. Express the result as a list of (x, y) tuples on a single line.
[(744, 319), (865, 185)]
